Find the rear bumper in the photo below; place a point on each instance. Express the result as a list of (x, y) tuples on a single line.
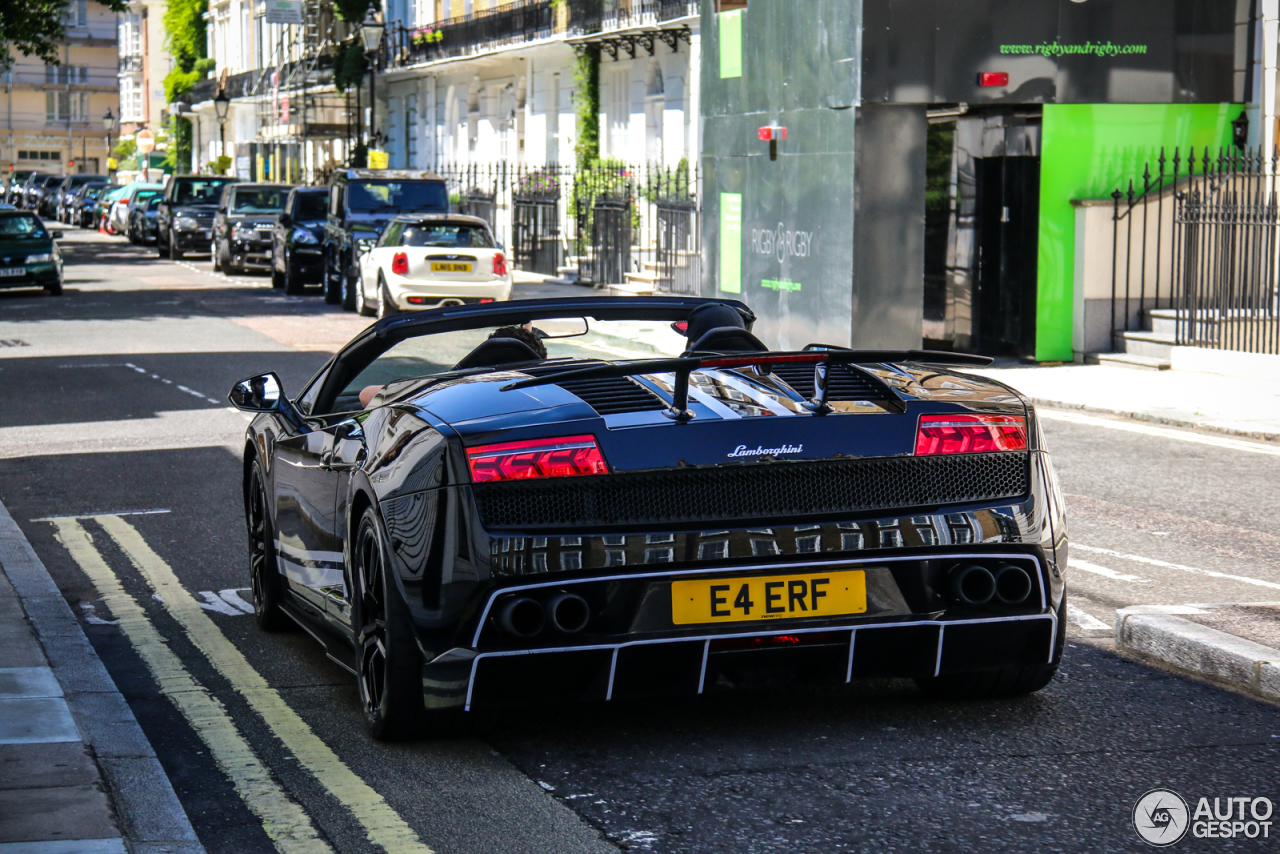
[(686, 666), (912, 627), (42, 276), (429, 294)]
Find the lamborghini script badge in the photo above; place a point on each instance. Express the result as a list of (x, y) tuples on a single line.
[(744, 451)]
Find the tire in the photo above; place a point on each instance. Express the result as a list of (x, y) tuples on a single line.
[(277, 278), (1004, 682), (350, 289), (217, 258), (175, 254), (160, 248), (388, 665), (386, 308), (332, 287), (264, 573), (292, 285), (54, 290)]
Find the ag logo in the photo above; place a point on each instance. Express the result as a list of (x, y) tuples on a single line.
[(1161, 817)]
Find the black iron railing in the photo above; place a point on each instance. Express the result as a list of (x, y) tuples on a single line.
[(610, 224), (1200, 240)]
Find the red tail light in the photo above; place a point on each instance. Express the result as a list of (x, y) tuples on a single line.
[(400, 264), (499, 264), (568, 456), (970, 434)]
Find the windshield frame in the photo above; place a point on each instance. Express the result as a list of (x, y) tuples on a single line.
[(238, 188), (349, 195), (39, 233), (216, 186)]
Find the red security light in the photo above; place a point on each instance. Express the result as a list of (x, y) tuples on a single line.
[(569, 456), (970, 434), (993, 78), (772, 133)]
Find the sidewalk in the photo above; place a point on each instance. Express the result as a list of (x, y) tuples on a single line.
[(77, 775), (1240, 406), (1232, 645)]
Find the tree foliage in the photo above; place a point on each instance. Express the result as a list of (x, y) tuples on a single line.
[(34, 28), (349, 66), (352, 11), (586, 78)]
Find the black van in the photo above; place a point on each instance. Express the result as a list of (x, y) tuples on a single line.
[(361, 203)]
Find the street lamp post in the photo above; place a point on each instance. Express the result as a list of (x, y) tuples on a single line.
[(371, 31), (221, 103), (108, 123)]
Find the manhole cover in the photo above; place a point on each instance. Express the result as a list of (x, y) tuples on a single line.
[(13, 342)]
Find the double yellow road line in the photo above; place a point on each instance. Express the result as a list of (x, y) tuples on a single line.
[(284, 821)]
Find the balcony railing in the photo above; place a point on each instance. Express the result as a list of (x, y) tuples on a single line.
[(524, 21), (129, 63)]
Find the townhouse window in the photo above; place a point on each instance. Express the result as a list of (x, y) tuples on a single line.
[(77, 14), (411, 132)]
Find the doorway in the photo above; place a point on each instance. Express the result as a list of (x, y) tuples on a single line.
[(981, 229)]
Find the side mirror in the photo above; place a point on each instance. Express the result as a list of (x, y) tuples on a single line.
[(262, 393), (284, 219), (56, 235)]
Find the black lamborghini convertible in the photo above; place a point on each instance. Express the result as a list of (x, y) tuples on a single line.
[(609, 498)]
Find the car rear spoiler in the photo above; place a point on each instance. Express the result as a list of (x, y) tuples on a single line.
[(684, 366)]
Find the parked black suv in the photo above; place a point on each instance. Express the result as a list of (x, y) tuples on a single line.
[(243, 223), (361, 203), (296, 258), (184, 220)]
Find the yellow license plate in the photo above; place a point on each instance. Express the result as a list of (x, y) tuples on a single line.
[(770, 597), (449, 267)]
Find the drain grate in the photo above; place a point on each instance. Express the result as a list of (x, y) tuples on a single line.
[(13, 342)]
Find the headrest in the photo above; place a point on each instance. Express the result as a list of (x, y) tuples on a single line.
[(498, 351), (711, 316), (727, 339)]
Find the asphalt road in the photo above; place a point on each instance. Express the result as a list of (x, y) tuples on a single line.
[(114, 404)]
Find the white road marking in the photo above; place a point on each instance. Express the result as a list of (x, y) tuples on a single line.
[(1162, 432), (1150, 561), (213, 602), (232, 597), (1084, 620), (95, 515), (1105, 572)]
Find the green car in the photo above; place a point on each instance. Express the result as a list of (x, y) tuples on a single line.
[(29, 257)]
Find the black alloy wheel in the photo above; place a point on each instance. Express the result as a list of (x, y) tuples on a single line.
[(293, 284), (264, 572), (386, 306), (332, 285), (388, 665)]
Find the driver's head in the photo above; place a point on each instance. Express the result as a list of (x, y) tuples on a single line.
[(704, 318), (525, 335)]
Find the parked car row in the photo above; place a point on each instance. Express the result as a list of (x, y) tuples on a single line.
[(375, 241)]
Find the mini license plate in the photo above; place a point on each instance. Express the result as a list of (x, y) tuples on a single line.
[(13, 271), (450, 267), (776, 597)]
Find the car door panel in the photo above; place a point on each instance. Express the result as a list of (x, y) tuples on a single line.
[(305, 495)]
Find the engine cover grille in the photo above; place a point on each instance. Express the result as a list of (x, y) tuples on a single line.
[(843, 382), (782, 491), (610, 395)]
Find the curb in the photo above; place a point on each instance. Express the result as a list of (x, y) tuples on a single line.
[(150, 815), (1156, 419), (1201, 651)]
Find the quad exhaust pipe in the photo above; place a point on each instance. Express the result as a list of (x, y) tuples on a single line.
[(523, 617), (972, 584)]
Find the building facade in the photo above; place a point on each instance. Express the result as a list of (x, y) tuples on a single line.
[(53, 114), (144, 63)]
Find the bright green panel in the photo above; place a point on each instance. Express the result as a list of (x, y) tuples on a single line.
[(731, 43), (1087, 151), (731, 243)]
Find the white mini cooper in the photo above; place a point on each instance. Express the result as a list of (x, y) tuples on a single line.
[(424, 261)]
